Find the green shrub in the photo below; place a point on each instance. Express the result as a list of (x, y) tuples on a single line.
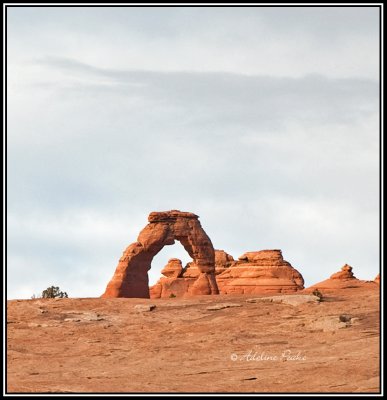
[(172, 295), (53, 292)]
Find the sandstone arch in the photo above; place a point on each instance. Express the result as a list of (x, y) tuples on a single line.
[(131, 276)]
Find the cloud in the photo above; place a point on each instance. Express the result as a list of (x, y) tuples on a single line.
[(286, 41), (301, 129), (267, 160)]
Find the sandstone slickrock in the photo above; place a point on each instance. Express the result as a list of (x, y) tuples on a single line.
[(258, 272), (339, 280), (377, 279), (327, 324), (291, 299), (220, 306), (131, 276), (143, 352), (144, 307)]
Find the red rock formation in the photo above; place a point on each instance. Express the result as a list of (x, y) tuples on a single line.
[(174, 287), (172, 284), (177, 281), (254, 273), (131, 276), (377, 279), (344, 274), (257, 272), (179, 285), (339, 280), (173, 269), (222, 261)]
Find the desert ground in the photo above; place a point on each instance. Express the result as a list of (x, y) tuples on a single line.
[(224, 343)]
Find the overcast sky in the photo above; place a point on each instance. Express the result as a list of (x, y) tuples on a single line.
[(263, 121)]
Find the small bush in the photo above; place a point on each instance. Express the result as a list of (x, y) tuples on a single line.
[(317, 293), (172, 295), (53, 292)]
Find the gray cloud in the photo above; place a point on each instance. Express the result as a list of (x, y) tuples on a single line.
[(286, 41)]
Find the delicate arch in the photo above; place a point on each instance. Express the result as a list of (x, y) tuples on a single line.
[(131, 276)]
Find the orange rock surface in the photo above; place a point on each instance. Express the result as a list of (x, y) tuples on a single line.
[(200, 344)]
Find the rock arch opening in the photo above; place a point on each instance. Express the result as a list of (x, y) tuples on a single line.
[(164, 228), (162, 259)]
